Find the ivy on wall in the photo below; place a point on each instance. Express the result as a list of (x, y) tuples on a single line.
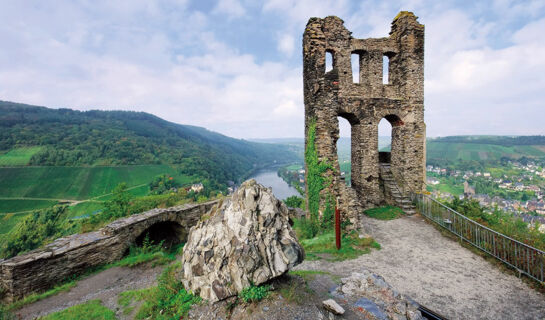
[(316, 182)]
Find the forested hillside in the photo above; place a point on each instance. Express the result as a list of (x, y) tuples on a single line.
[(31, 135)]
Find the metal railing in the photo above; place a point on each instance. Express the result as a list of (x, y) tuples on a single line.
[(524, 258)]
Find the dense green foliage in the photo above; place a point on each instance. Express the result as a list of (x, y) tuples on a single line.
[(169, 300), (35, 229), (163, 184), (295, 202), (500, 221), (91, 310), (254, 293), (70, 138), (384, 213)]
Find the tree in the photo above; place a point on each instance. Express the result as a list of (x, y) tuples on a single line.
[(118, 206)]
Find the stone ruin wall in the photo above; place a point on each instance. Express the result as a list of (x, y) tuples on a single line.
[(333, 94), (44, 268)]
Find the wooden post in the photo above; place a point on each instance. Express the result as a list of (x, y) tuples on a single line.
[(337, 226)]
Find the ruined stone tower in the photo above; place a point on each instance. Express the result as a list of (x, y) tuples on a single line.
[(334, 93)]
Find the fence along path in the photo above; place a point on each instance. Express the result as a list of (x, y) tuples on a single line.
[(524, 258)]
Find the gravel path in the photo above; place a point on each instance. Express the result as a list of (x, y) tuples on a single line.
[(105, 286), (439, 273)]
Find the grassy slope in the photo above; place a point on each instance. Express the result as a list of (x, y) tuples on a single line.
[(7, 206), (74, 182), (18, 156)]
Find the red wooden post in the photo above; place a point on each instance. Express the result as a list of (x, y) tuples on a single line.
[(337, 226)]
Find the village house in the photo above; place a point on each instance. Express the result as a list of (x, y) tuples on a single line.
[(197, 187)]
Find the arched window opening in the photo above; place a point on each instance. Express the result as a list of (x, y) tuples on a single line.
[(355, 62), (328, 61), (385, 69), (384, 140), (168, 233), (344, 150)]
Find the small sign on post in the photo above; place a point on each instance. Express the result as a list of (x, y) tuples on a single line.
[(337, 225)]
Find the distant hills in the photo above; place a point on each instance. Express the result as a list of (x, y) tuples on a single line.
[(485, 148), (454, 148), (40, 136)]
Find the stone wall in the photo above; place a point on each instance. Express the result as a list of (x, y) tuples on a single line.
[(41, 269), (333, 94)]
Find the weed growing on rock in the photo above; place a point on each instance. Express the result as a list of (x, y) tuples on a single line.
[(254, 293)]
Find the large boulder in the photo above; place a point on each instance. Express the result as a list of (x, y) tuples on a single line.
[(246, 240)]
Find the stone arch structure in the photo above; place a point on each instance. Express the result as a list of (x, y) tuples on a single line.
[(401, 101), (169, 232), (43, 268)]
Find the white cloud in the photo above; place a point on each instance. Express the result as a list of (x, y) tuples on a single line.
[(287, 109), (286, 44), (232, 8), (162, 58)]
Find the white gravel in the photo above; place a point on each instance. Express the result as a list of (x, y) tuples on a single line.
[(439, 273)]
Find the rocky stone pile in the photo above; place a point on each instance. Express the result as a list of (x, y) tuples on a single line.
[(368, 294), (247, 240)]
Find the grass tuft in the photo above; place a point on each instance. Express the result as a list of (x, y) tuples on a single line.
[(323, 247), (384, 213), (91, 310)]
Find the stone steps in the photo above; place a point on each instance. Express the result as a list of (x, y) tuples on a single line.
[(390, 184)]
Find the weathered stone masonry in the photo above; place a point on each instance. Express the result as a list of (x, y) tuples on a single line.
[(333, 94), (41, 269)]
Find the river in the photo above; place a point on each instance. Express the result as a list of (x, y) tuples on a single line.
[(269, 178)]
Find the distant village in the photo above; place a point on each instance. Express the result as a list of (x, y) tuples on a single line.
[(531, 210)]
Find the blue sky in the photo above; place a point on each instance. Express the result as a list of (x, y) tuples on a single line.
[(235, 66)]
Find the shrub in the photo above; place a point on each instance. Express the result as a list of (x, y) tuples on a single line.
[(254, 293)]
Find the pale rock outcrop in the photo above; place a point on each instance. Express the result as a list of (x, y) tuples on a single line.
[(247, 240), (332, 306), (375, 298)]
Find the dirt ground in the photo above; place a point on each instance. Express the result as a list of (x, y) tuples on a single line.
[(105, 286), (439, 273)]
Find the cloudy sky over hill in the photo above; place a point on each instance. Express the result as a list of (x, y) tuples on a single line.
[(235, 66)]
